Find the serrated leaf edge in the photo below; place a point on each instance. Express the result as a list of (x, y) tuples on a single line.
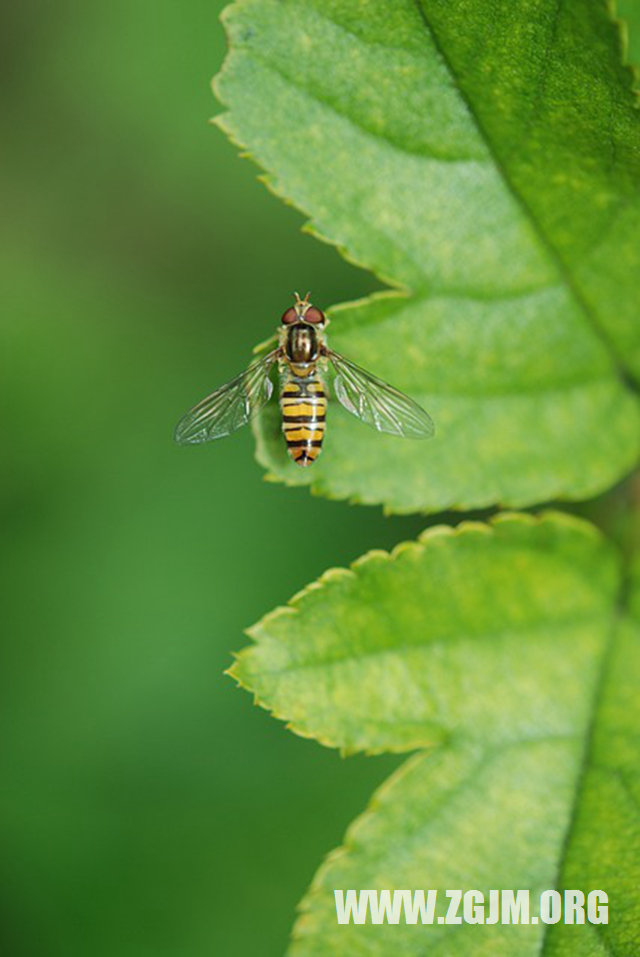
[(425, 540)]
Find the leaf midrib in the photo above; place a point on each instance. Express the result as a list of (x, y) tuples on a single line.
[(560, 624), (545, 240), (585, 762)]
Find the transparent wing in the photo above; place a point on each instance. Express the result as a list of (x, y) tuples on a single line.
[(377, 403), (229, 407)]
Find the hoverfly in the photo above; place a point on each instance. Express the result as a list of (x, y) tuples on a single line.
[(302, 357)]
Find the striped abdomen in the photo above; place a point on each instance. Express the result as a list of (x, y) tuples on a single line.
[(304, 409)]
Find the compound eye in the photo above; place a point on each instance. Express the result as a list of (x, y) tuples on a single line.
[(289, 315), (313, 315)]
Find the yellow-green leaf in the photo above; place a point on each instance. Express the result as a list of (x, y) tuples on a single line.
[(484, 160), (501, 649)]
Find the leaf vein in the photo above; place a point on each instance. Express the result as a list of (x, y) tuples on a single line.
[(525, 207), (585, 761), (429, 155), (571, 624)]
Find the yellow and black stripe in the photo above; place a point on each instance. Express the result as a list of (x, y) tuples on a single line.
[(303, 403)]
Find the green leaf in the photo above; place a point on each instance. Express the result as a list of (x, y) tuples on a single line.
[(503, 648), (484, 160)]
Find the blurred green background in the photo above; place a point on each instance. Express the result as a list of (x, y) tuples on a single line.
[(148, 808)]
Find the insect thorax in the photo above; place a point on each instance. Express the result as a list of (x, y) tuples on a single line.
[(301, 343)]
